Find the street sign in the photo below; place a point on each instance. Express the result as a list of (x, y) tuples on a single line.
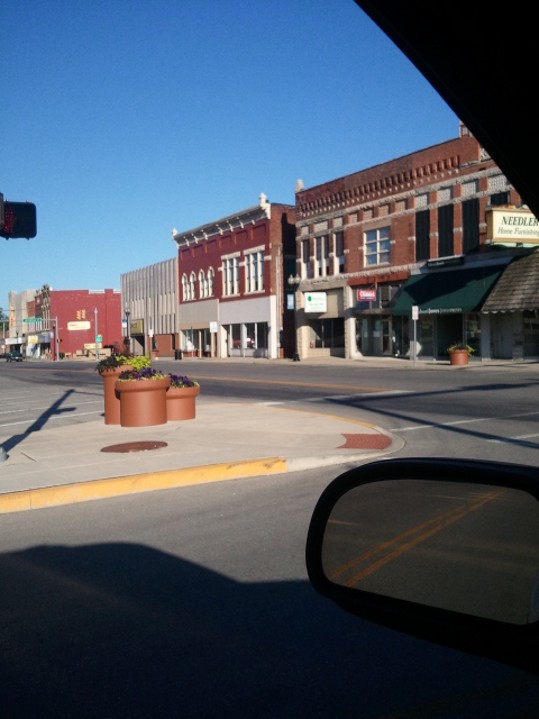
[(32, 319), (84, 325)]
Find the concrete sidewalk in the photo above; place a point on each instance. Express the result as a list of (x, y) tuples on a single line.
[(227, 440)]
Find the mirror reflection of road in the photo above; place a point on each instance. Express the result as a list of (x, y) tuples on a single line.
[(195, 602), (467, 548)]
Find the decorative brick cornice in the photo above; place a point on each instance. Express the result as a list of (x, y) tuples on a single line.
[(236, 221)]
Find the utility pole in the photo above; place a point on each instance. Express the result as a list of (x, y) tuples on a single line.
[(96, 335)]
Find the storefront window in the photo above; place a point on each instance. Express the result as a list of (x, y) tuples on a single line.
[(531, 334), (328, 333), (472, 334)]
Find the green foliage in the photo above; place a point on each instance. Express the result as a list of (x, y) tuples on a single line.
[(460, 345), (113, 361), (138, 361)]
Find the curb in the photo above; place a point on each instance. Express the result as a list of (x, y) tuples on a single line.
[(42, 497)]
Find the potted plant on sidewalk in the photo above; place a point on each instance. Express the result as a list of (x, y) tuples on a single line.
[(142, 394), (459, 353), (181, 397), (109, 368)]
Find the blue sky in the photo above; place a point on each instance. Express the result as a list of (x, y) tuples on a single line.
[(122, 119)]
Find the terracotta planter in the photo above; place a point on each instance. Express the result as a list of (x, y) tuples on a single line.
[(111, 399), (143, 402), (181, 403), (458, 357)]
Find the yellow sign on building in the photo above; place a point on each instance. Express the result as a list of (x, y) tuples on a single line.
[(510, 225)]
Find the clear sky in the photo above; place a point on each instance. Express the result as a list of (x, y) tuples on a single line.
[(124, 119)]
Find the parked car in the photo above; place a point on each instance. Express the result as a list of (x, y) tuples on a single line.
[(14, 356)]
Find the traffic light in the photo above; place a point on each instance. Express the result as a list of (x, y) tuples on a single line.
[(19, 220), (78, 314)]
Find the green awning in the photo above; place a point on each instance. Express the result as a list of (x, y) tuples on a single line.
[(448, 291)]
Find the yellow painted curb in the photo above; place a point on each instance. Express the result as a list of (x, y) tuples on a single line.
[(43, 497)]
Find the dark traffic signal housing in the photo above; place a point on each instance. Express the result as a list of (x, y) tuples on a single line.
[(18, 219)]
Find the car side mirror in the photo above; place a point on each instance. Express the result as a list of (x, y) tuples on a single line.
[(444, 549)]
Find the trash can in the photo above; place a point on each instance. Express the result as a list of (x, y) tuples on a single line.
[(178, 355)]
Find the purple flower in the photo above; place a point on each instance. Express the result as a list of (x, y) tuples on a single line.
[(178, 380), (140, 374)]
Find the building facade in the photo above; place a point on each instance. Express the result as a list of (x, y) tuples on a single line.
[(397, 259), (232, 284), (64, 323), (150, 311)]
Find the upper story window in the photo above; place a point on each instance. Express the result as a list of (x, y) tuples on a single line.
[(201, 284), (499, 198), (306, 270), (185, 288), (205, 283), (377, 245), (322, 255), (254, 271), (192, 282), (339, 252), (230, 269), (422, 235)]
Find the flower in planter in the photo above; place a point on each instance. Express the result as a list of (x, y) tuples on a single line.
[(142, 374), (179, 380), (115, 360), (461, 346), (111, 362)]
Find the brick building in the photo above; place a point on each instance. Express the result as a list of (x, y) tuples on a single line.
[(232, 283), (65, 323), (408, 233)]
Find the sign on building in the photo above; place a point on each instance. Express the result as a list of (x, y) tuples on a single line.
[(512, 225), (366, 295), (315, 302)]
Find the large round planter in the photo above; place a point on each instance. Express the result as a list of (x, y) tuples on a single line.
[(181, 403), (143, 402), (111, 399), (458, 357)]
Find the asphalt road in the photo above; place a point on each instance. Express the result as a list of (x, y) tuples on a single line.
[(486, 412), (195, 602)]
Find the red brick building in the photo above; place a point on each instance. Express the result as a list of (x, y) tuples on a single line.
[(68, 322), (232, 282), (408, 232)]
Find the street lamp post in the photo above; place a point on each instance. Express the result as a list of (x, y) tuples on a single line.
[(127, 338), (294, 281)]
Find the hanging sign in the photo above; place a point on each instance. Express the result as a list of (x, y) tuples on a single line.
[(368, 295)]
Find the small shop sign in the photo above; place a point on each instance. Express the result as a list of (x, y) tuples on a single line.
[(366, 295)]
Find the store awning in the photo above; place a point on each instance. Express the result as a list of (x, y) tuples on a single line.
[(518, 288), (448, 291)]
